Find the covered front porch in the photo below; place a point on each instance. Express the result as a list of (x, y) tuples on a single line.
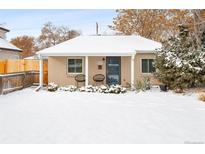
[(116, 69), (118, 58)]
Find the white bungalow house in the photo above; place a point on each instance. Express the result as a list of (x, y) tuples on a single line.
[(121, 59), (7, 50)]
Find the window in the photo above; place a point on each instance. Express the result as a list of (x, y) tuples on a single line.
[(75, 65), (147, 66)]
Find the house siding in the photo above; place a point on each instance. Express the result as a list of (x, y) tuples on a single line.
[(2, 34), (93, 68), (138, 72), (5, 54), (125, 71), (57, 69)]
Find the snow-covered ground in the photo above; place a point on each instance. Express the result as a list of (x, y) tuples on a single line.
[(65, 117)]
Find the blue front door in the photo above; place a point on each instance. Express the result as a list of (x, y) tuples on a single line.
[(113, 70)]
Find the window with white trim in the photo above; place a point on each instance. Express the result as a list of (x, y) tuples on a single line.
[(148, 66), (75, 65)]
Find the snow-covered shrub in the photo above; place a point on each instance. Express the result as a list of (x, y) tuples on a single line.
[(70, 88), (82, 89), (180, 63), (104, 89), (117, 89), (111, 89), (52, 87), (88, 88), (202, 97)]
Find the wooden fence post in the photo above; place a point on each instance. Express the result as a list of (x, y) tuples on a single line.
[(1, 85), (5, 66), (2, 66)]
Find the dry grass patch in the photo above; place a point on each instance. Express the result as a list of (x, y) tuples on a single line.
[(202, 96)]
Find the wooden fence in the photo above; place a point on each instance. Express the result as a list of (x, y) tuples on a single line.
[(18, 74), (19, 66)]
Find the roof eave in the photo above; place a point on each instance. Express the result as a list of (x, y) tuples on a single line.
[(86, 54), (5, 29), (145, 51), (9, 49)]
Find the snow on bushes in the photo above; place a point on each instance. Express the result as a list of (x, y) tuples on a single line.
[(116, 89), (70, 88), (88, 88), (180, 64), (104, 89), (52, 87)]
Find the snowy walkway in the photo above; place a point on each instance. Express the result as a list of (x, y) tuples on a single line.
[(63, 117)]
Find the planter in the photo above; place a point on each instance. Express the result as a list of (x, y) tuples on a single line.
[(163, 87)]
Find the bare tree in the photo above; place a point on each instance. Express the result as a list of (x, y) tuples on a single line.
[(199, 26), (52, 35)]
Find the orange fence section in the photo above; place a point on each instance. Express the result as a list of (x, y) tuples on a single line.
[(14, 66), (2, 66)]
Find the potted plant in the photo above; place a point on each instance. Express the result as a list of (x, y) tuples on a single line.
[(163, 87)]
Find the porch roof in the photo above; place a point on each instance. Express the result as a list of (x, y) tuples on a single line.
[(102, 46)]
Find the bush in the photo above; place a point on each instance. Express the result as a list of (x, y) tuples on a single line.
[(104, 89), (143, 85), (70, 88), (202, 97), (146, 82), (52, 87), (88, 88), (116, 89), (178, 90), (139, 85), (180, 63)]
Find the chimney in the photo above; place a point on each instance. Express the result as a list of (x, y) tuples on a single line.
[(97, 29)]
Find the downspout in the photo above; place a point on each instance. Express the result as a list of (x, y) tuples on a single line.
[(40, 73)]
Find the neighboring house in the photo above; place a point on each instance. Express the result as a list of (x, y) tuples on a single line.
[(7, 50), (121, 59)]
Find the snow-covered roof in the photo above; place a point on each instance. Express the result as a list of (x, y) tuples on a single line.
[(5, 45), (102, 45), (4, 28), (34, 57)]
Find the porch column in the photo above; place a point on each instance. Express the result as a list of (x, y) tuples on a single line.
[(132, 71), (40, 71), (86, 70)]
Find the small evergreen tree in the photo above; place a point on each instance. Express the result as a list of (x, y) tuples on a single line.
[(179, 63)]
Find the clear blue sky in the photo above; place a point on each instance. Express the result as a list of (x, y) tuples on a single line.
[(30, 22)]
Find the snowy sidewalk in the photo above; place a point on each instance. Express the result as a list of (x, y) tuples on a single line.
[(65, 117)]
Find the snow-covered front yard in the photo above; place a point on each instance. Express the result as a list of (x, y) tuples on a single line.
[(27, 116)]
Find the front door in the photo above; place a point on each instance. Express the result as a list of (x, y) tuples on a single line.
[(113, 70)]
